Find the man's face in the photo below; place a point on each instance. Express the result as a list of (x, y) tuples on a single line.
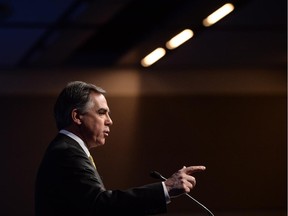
[(95, 121)]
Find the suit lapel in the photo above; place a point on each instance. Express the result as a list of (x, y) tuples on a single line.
[(71, 141)]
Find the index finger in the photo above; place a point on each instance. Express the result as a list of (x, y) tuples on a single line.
[(193, 169)]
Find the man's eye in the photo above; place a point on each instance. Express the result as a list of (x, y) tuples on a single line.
[(102, 112)]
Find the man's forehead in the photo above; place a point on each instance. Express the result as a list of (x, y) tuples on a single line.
[(99, 101)]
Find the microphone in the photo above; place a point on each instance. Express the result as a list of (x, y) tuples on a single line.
[(157, 175)]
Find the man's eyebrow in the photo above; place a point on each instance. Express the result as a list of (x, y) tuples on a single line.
[(104, 110)]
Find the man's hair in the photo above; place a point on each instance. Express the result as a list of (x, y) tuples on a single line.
[(74, 96)]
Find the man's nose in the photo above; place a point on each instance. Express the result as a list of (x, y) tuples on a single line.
[(109, 120)]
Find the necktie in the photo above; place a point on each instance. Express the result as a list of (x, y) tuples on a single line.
[(92, 161)]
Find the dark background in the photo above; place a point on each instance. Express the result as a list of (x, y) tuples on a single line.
[(240, 137)]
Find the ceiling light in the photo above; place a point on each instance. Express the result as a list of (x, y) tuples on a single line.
[(179, 39), (218, 14), (153, 57)]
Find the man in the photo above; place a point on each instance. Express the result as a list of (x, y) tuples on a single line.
[(68, 182)]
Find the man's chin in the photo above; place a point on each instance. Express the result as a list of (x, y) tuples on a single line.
[(97, 144), (100, 143)]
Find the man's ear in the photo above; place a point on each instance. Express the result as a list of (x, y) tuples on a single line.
[(76, 116)]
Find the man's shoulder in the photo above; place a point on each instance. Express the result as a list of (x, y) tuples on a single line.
[(63, 144), (63, 150)]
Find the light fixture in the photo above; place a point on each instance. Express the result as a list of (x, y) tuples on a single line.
[(218, 14), (153, 57), (179, 39)]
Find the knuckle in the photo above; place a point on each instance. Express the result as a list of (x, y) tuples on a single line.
[(194, 183), (179, 172)]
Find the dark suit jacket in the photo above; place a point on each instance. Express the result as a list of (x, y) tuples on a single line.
[(68, 184)]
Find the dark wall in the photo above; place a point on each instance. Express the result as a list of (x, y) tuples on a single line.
[(241, 139)]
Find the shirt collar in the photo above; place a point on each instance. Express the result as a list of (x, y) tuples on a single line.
[(77, 139)]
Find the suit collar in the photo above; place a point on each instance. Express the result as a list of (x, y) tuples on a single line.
[(77, 139)]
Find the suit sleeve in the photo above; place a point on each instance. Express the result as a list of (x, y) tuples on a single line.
[(148, 199), (74, 184)]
